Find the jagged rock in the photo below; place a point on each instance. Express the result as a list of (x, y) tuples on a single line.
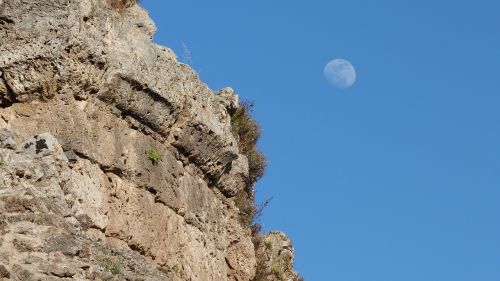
[(275, 256), (228, 98), (83, 75), (4, 273), (6, 139), (234, 179)]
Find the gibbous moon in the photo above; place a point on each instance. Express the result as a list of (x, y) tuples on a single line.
[(340, 73)]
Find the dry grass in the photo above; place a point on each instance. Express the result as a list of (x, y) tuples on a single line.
[(121, 4), (247, 133)]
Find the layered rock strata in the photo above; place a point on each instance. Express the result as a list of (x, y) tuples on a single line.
[(116, 161)]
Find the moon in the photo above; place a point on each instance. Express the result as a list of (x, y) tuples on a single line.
[(340, 73)]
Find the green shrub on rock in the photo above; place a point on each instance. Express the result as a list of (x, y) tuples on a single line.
[(153, 155)]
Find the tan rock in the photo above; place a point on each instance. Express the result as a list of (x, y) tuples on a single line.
[(85, 101)]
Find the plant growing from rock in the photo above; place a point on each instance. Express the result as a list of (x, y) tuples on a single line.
[(247, 133), (49, 89), (153, 155), (110, 265), (121, 4)]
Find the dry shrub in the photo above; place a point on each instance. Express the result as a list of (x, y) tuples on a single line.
[(121, 4), (249, 210), (247, 133)]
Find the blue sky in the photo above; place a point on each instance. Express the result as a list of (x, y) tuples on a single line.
[(394, 179)]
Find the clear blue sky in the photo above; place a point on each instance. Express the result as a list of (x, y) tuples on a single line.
[(394, 179)]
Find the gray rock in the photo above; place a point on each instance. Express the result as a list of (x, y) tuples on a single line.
[(43, 144), (7, 139), (71, 156)]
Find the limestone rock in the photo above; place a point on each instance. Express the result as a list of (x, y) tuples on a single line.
[(228, 98), (84, 96), (276, 258)]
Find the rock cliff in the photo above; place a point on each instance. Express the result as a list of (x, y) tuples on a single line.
[(116, 161)]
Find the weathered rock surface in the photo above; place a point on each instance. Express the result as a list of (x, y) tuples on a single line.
[(84, 96), (43, 234), (275, 256)]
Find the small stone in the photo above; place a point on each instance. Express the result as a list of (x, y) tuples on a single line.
[(65, 244), (71, 155), (43, 144), (63, 271), (32, 259), (20, 273), (7, 139), (23, 245)]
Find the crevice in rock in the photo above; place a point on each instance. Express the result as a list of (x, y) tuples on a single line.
[(6, 22), (105, 169), (82, 155), (147, 128), (163, 136), (102, 230), (112, 169), (138, 249), (138, 117), (134, 247), (152, 190), (138, 86), (211, 180), (10, 98), (228, 263)]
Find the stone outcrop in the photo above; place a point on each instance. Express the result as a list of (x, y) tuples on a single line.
[(275, 256), (85, 99)]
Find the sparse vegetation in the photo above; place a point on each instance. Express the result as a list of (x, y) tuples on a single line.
[(277, 269), (268, 245), (247, 133), (261, 273), (153, 155), (265, 271), (298, 277), (49, 89), (176, 269), (121, 4), (110, 264), (277, 272), (245, 203)]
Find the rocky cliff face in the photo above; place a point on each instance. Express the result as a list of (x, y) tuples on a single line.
[(116, 161)]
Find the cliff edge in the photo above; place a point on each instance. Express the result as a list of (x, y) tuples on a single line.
[(116, 161)]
